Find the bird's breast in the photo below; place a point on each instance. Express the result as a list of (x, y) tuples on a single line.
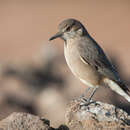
[(79, 68)]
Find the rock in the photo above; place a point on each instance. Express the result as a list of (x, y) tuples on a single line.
[(79, 116), (25, 121), (96, 116), (22, 121)]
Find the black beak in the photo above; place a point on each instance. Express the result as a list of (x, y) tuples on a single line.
[(58, 34)]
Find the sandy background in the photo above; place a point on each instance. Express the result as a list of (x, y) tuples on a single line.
[(34, 76)]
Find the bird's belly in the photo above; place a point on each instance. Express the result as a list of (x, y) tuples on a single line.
[(80, 69)]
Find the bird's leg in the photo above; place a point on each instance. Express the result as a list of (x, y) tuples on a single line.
[(87, 101), (82, 97), (91, 95)]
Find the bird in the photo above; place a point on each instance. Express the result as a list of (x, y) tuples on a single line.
[(87, 60)]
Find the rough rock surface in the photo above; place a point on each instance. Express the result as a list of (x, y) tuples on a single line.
[(79, 116), (25, 121), (96, 116)]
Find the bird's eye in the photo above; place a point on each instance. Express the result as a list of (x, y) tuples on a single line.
[(68, 28)]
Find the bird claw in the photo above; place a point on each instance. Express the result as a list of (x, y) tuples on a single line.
[(87, 102)]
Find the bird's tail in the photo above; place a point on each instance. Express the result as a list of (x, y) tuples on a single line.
[(119, 87)]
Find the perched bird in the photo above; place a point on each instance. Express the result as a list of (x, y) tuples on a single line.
[(87, 60)]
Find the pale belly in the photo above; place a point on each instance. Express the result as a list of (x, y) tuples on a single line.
[(80, 69)]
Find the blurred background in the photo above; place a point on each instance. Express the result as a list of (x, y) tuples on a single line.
[(34, 76)]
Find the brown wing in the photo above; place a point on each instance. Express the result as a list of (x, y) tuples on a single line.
[(92, 53)]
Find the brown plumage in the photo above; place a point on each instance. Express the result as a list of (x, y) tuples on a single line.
[(86, 59)]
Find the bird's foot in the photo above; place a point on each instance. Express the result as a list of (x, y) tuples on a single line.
[(87, 102)]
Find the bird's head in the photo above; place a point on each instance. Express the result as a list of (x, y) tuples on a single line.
[(68, 29)]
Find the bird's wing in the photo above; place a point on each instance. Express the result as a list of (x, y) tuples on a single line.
[(92, 53)]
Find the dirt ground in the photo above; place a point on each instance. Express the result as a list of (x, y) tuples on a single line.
[(34, 76)]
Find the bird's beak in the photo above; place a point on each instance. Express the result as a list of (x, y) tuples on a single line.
[(58, 34)]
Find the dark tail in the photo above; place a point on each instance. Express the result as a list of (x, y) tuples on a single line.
[(124, 87), (119, 87)]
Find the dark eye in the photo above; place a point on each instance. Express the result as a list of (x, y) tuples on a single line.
[(68, 28)]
